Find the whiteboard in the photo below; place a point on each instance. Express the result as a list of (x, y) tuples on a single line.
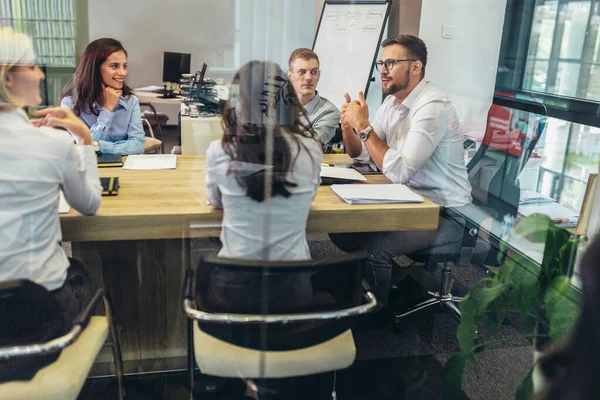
[(347, 42)]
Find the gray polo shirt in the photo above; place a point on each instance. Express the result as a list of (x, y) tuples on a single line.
[(324, 118)]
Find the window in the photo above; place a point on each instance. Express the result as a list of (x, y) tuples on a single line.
[(550, 53), (563, 49), (51, 26)]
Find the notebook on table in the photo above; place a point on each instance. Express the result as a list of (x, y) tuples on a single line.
[(332, 175), (110, 160), (110, 186)]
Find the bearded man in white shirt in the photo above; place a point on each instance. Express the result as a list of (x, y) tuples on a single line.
[(415, 139)]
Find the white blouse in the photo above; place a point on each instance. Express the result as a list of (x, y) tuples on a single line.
[(276, 228), (35, 164)]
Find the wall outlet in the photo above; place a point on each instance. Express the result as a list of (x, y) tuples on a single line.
[(449, 32)]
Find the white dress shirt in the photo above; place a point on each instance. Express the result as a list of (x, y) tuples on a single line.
[(276, 228), (426, 145), (35, 164)]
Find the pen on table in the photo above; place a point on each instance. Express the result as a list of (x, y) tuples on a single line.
[(562, 220)]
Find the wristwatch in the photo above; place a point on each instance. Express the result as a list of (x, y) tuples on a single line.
[(364, 134), (96, 145)]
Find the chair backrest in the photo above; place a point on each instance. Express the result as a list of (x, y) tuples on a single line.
[(32, 322), (510, 137), (29, 313), (309, 301)]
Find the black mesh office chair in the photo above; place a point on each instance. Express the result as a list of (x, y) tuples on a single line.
[(510, 138), (264, 320), (30, 307)]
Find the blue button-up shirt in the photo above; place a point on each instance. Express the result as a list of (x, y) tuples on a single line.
[(119, 131)]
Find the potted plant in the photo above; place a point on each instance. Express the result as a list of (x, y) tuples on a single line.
[(541, 294)]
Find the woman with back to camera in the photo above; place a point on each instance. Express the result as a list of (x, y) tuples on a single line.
[(36, 163), (98, 95), (264, 174), (261, 122)]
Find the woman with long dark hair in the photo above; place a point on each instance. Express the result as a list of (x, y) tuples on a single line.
[(98, 95), (264, 172)]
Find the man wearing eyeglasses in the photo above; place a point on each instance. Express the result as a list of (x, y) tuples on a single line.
[(414, 139), (304, 75)]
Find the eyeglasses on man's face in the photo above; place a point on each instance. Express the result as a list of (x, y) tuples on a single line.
[(389, 64), (302, 72)]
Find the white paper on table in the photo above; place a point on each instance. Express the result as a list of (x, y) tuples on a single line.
[(342, 173), (63, 206), (557, 212), (151, 161), (376, 194)]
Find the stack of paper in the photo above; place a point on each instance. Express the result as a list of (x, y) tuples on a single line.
[(560, 214), (347, 174), (531, 197), (376, 194), (151, 161)]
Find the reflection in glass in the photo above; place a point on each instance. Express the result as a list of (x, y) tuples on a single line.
[(593, 91), (536, 76), (567, 78), (575, 16)]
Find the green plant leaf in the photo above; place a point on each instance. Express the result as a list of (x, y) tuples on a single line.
[(525, 390), (496, 313), (563, 306), (473, 307), (453, 376)]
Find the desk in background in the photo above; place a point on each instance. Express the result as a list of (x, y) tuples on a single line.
[(197, 133), (155, 98), (138, 245)]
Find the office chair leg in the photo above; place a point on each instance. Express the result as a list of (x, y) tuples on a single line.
[(427, 303), (454, 309), (442, 297), (333, 392), (116, 349), (190, 361)]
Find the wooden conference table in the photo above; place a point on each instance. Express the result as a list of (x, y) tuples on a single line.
[(137, 246)]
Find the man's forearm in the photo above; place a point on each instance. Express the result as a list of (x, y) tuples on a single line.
[(351, 142), (377, 149)]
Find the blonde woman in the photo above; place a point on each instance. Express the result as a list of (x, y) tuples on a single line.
[(37, 162)]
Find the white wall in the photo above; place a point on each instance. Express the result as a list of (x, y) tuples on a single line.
[(147, 28), (464, 67), (272, 29), (208, 29)]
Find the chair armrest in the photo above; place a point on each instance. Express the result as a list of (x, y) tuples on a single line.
[(187, 292), (220, 318), (84, 316)]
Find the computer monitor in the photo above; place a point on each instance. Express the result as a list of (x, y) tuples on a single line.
[(200, 77), (197, 82), (174, 65)]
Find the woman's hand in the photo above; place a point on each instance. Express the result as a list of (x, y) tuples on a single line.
[(64, 118), (111, 97)]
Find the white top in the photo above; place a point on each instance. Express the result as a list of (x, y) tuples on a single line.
[(276, 228), (426, 145), (35, 164)]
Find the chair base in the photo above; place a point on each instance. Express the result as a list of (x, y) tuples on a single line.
[(443, 297)]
